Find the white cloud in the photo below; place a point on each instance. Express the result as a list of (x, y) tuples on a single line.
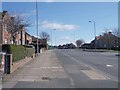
[(66, 38), (58, 26)]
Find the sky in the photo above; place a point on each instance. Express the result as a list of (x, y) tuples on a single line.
[(67, 22)]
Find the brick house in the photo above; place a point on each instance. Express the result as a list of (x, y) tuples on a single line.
[(6, 37), (28, 38), (20, 37), (107, 41)]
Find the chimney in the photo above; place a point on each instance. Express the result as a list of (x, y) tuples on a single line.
[(12, 18), (4, 11), (109, 32)]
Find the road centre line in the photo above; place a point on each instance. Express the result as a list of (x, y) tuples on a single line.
[(53, 67)]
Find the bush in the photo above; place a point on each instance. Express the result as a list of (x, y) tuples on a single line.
[(18, 51)]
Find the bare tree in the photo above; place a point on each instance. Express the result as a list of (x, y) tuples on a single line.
[(79, 42), (14, 24), (116, 32), (45, 35)]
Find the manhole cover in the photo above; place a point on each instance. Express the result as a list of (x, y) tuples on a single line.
[(84, 68), (46, 78)]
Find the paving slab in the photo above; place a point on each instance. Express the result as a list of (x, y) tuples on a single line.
[(45, 69)]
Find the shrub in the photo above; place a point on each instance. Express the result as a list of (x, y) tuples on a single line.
[(18, 51)]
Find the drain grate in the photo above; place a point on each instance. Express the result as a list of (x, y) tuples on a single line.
[(45, 78)]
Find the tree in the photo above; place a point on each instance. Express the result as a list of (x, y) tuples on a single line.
[(79, 42), (116, 32), (15, 23), (45, 35)]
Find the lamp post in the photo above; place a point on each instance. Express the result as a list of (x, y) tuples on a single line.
[(94, 31), (51, 35), (74, 36), (37, 24), (0, 36), (0, 31)]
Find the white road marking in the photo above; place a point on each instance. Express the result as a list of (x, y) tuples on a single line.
[(109, 65), (108, 78), (72, 82), (29, 80), (53, 67), (93, 75)]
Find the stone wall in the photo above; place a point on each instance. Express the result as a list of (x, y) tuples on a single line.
[(15, 65)]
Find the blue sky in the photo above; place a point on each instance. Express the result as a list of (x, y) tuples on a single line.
[(70, 19)]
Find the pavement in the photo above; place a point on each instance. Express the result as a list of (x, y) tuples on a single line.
[(67, 69), (43, 72)]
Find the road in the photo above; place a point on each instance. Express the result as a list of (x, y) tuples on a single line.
[(79, 64), (67, 68)]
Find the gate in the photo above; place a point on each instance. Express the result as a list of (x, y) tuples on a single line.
[(5, 63)]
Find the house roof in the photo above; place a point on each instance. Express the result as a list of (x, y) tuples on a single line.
[(98, 37), (27, 34), (105, 36), (40, 41)]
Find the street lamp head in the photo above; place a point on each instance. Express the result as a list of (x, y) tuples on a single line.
[(90, 21)]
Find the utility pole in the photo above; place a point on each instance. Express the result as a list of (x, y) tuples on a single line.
[(0, 35), (94, 32), (37, 25), (51, 37)]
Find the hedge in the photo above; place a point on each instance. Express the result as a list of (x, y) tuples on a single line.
[(18, 51)]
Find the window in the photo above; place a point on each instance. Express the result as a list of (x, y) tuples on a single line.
[(6, 41), (5, 28)]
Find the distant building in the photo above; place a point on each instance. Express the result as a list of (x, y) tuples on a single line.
[(106, 41), (42, 43), (86, 46), (67, 46)]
